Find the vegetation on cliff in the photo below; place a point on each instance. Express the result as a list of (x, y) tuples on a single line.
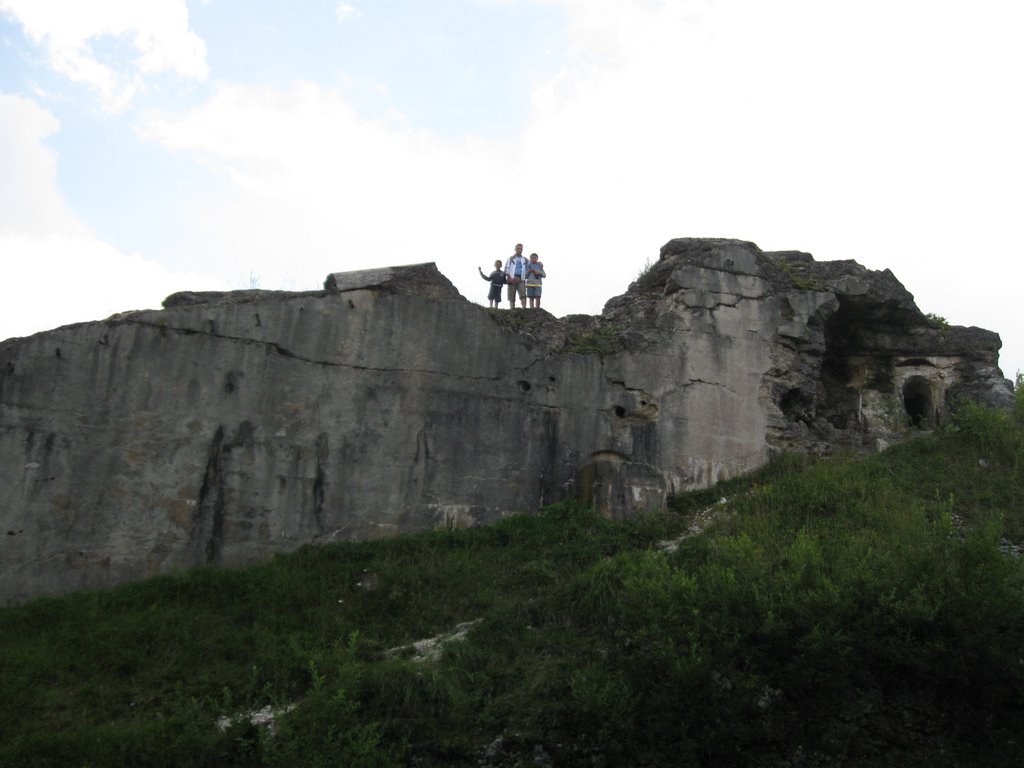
[(831, 612)]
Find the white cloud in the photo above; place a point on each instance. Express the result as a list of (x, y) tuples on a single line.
[(321, 189), (29, 200), (56, 280), (345, 11), (157, 30), (54, 270)]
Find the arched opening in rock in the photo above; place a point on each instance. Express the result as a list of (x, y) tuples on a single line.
[(917, 400)]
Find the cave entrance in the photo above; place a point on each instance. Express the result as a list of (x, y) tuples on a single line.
[(917, 400)]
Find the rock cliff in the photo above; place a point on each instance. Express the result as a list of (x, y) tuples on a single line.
[(230, 426)]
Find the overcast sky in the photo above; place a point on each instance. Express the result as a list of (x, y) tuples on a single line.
[(149, 147)]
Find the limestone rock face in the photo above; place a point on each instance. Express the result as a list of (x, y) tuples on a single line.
[(230, 426)]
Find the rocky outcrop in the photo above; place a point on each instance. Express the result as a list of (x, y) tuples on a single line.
[(230, 426)]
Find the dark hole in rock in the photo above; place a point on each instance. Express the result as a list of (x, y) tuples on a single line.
[(620, 411), (917, 399), (792, 402), (525, 386)]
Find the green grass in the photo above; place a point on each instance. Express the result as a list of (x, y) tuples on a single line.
[(858, 611), (794, 273), (602, 341)]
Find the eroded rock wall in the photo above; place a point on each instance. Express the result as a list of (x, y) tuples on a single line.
[(227, 427)]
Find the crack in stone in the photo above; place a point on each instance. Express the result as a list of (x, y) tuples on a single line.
[(292, 356), (719, 304), (210, 502), (320, 481), (692, 382)]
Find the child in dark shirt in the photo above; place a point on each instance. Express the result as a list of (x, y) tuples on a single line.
[(497, 278)]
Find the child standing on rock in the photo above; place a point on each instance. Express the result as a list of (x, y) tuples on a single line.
[(497, 278), (534, 280)]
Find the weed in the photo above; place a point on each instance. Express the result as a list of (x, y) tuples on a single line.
[(644, 270), (800, 282), (602, 341)]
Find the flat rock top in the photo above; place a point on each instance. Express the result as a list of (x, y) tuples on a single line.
[(411, 279)]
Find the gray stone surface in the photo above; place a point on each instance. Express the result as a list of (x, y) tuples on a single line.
[(230, 426)]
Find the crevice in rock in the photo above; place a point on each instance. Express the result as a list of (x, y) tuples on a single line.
[(210, 504), (715, 384), (284, 352), (320, 481), (231, 380)]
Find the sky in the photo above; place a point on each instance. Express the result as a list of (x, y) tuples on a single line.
[(165, 145)]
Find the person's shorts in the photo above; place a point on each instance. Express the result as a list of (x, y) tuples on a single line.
[(495, 293), (518, 288), (533, 291)]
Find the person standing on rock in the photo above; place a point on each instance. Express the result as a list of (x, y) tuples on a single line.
[(534, 280), (497, 278), (515, 272)]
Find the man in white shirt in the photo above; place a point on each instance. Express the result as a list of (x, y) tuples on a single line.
[(515, 270)]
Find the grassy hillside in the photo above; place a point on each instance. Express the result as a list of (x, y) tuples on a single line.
[(835, 612)]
